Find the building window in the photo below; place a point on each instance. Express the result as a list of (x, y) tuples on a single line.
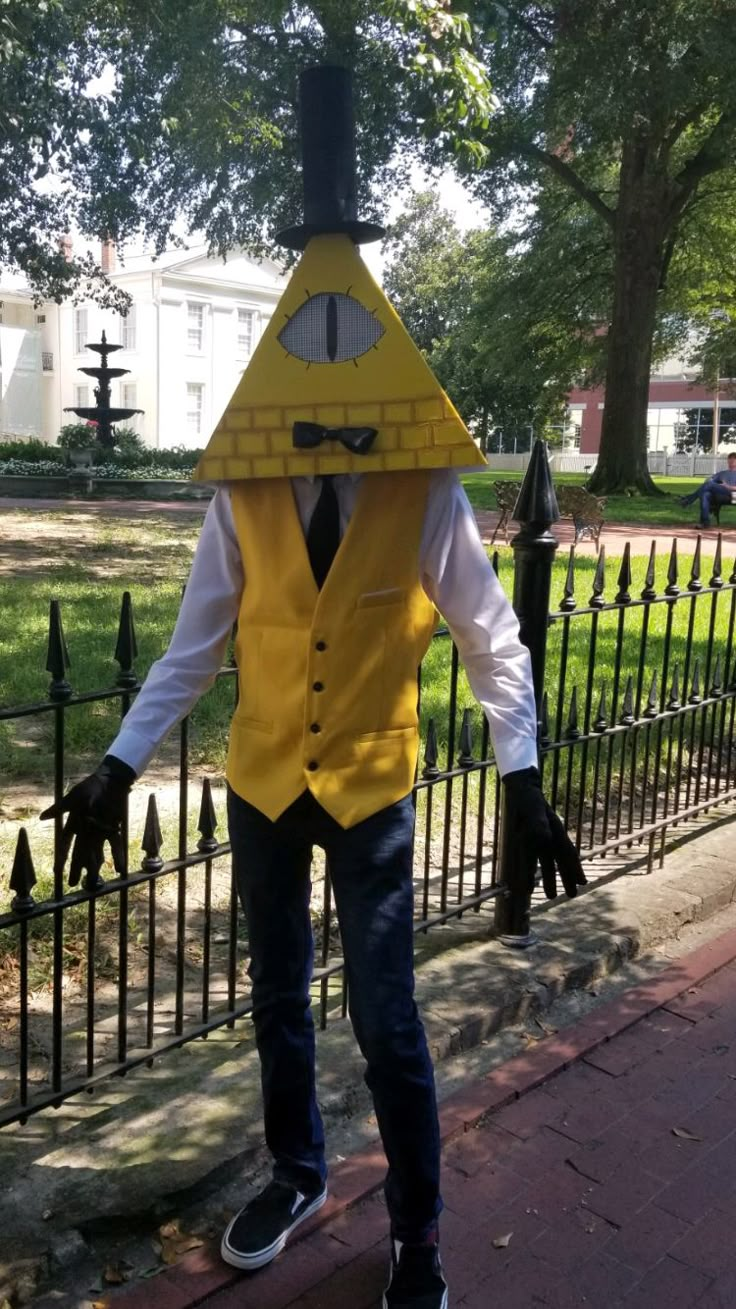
[(40, 318), (129, 395), (81, 397), (47, 361), (246, 330), (195, 400), (195, 326), (127, 329), (81, 330)]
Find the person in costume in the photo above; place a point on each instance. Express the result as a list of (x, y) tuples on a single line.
[(337, 531)]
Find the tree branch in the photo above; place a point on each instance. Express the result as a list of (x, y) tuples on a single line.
[(515, 17), (669, 250), (713, 155), (568, 175)]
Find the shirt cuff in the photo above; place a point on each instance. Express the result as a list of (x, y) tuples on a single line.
[(517, 752), (134, 749)]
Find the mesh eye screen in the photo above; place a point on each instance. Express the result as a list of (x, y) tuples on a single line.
[(330, 328)]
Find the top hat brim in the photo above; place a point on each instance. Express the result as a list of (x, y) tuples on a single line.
[(296, 238)]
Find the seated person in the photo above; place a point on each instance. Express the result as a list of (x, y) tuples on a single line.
[(717, 489)]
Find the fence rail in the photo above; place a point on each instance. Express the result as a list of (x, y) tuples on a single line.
[(636, 737)]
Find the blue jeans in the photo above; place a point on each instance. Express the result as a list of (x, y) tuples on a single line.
[(371, 869), (709, 493)]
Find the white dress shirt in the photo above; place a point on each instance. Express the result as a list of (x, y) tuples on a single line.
[(454, 571)]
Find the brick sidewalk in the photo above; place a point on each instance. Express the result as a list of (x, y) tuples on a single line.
[(602, 1164)]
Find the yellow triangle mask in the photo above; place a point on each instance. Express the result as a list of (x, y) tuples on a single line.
[(335, 353)]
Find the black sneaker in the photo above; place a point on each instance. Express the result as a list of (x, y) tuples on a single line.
[(415, 1280), (260, 1231)]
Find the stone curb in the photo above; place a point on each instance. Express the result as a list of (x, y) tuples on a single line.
[(201, 1274)]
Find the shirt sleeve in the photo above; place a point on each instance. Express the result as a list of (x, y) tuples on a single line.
[(208, 610), (458, 578)]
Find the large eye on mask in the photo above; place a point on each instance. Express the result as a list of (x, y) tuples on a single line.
[(330, 328)]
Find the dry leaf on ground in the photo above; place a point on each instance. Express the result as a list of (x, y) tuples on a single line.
[(500, 1242), (686, 1136), (175, 1243), (114, 1275)]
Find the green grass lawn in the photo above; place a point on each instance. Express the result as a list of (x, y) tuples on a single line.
[(151, 559), (660, 512)]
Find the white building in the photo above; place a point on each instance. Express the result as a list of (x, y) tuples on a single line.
[(191, 329)]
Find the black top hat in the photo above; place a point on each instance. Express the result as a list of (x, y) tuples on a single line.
[(328, 160)]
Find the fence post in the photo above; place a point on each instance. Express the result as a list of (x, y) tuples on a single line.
[(534, 551)]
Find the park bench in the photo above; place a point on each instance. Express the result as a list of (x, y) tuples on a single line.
[(575, 502)]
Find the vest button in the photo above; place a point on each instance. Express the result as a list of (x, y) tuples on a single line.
[(313, 765), (315, 727), (321, 645), (318, 686)]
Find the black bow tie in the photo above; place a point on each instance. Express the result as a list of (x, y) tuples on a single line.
[(356, 439)]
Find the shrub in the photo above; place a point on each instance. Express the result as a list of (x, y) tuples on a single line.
[(31, 451), (177, 456), (145, 472), (31, 468), (130, 446)]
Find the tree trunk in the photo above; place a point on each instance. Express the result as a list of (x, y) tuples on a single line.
[(640, 234)]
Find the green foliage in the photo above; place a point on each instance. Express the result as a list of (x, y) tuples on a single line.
[(616, 120), (492, 320), (130, 446), (149, 150), (77, 436), (31, 451)]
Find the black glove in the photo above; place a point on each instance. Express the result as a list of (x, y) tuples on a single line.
[(96, 808), (541, 833)]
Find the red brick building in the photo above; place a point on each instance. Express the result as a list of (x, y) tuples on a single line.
[(672, 392)]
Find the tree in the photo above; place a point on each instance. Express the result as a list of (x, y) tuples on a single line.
[(494, 315), (629, 106), (121, 119)]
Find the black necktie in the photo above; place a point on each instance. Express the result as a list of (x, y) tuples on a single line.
[(323, 536)]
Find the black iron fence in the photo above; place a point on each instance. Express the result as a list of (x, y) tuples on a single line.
[(637, 695)]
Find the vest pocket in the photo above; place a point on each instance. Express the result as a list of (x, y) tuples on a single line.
[(389, 734), (249, 724), (393, 596)]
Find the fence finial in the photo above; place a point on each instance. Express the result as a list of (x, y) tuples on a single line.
[(207, 821), (623, 595), (127, 646), (567, 603), (537, 502), (716, 580), (465, 756), (695, 583), (57, 657), (431, 752), (600, 722), (627, 707), (651, 706), (672, 588), (650, 591), (572, 731), (152, 838), (22, 875), (596, 600), (674, 701)]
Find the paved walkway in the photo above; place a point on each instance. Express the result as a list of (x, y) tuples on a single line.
[(614, 535), (599, 1170)]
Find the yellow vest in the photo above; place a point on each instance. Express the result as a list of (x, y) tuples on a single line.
[(328, 679)]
